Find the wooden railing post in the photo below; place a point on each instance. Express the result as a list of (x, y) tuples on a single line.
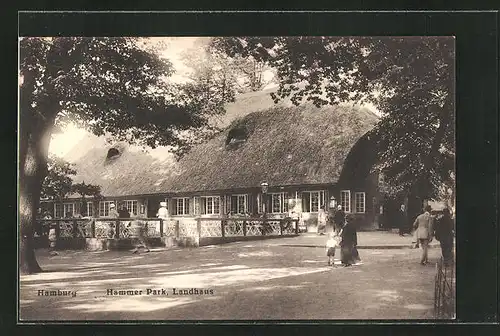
[(177, 230), (92, 228), (223, 227), (75, 228), (117, 228), (58, 229), (198, 227), (161, 227), (244, 228)]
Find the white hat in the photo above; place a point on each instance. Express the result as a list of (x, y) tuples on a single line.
[(112, 205), (163, 204)]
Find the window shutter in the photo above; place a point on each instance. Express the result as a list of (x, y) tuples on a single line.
[(305, 203), (285, 202), (247, 203), (196, 201), (250, 203), (269, 209), (222, 206), (170, 206), (259, 203), (228, 204), (190, 205)]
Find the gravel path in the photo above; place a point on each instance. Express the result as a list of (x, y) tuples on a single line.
[(238, 281)]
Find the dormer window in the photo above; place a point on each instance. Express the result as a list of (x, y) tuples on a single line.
[(113, 153), (236, 136)]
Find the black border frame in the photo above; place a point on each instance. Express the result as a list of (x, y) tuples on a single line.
[(477, 110)]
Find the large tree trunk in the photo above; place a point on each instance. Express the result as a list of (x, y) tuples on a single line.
[(29, 193), (34, 143), (32, 172), (36, 122)]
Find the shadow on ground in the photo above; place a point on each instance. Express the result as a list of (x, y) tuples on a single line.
[(238, 281)]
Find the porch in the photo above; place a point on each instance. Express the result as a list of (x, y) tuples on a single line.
[(115, 234)]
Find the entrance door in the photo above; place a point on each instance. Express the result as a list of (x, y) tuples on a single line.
[(153, 206), (390, 216)]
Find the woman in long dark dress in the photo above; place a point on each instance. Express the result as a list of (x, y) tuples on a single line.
[(348, 235), (355, 253)]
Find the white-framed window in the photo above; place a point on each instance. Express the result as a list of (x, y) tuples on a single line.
[(239, 204), (345, 200), (210, 205), (312, 201), (132, 206), (58, 210), (104, 208), (90, 209), (181, 206), (360, 201), (279, 202), (68, 210)]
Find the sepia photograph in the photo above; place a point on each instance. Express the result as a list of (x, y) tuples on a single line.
[(236, 178)]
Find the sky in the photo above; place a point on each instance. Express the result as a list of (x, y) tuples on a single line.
[(175, 46)]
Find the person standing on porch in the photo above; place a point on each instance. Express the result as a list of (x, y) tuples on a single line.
[(339, 218), (112, 211), (112, 214), (123, 213), (163, 214), (424, 232)]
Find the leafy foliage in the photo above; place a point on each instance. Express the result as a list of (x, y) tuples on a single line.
[(105, 85), (114, 86), (84, 189), (59, 183), (410, 80)]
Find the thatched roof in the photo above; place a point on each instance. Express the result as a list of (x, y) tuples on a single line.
[(283, 146)]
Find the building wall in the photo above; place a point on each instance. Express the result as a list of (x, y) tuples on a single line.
[(148, 205), (373, 200)]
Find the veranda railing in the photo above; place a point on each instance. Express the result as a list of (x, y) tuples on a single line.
[(156, 227)]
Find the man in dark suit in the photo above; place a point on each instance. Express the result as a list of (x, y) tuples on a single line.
[(424, 232), (444, 233), (123, 212)]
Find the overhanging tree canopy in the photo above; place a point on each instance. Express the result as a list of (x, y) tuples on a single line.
[(105, 85), (409, 79)]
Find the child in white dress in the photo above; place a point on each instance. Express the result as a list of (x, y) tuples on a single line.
[(331, 244)]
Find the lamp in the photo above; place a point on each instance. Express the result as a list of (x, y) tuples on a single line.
[(333, 202), (264, 186)]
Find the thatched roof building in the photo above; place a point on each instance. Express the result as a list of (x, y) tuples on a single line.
[(284, 146), (306, 154)]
